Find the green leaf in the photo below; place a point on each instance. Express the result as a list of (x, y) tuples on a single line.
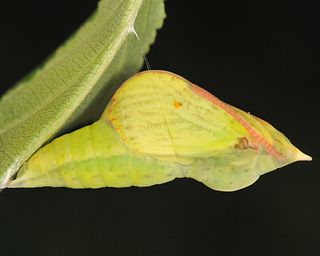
[(86, 69)]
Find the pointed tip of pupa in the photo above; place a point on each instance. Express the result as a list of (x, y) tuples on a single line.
[(300, 156)]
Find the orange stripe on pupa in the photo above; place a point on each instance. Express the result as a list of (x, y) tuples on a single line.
[(256, 137)]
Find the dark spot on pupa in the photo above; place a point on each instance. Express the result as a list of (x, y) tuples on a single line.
[(177, 104), (131, 138), (243, 143)]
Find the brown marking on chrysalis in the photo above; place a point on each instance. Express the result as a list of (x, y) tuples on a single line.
[(177, 104), (112, 102), (243, 143), (258, 139)]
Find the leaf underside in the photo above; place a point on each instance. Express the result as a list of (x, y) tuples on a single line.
[(74, 85)]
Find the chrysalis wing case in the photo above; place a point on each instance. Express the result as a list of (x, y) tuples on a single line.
[(158, 127)]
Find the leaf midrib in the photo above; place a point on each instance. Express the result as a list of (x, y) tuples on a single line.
[(107, 60)]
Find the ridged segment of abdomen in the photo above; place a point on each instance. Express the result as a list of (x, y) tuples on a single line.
[(92, 157), (115, 171), (47, 167)]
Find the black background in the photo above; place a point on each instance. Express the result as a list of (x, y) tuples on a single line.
[(258, 56)]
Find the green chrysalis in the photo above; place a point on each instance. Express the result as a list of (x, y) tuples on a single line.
[(158, 127)]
